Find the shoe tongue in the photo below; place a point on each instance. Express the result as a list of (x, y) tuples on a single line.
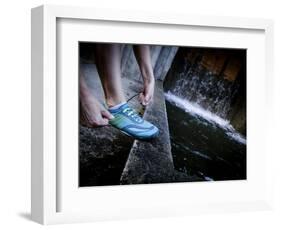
[(123, 106)]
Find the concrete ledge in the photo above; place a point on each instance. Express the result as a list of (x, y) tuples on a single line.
[(151, 161), (103, 155)]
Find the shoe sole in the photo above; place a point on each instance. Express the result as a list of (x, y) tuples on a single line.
[(139, 138)]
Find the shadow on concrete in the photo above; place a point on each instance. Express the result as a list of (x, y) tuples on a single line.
[(25, 215)]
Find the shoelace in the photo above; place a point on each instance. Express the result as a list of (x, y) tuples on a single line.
[(135, 115), (132, 113)]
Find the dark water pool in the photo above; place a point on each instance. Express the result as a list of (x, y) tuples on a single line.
[(203, 147)]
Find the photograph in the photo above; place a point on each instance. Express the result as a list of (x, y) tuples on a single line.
[(161, 114)]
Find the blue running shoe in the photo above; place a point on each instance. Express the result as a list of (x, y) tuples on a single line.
[(129, 122)]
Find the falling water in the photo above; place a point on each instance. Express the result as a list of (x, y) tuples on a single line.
[(200, 105), (197, 85), (202, 93), (196, 110)]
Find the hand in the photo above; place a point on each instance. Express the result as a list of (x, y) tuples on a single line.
[(92, 113), (147, 95)]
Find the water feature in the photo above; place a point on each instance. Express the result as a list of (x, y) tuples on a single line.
[(199, 106)]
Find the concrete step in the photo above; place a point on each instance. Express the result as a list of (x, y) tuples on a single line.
[(103, 153), (151, 161)]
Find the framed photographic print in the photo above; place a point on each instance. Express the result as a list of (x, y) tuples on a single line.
[(141, 114)]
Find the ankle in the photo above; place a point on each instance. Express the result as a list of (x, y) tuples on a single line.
[(114, 102), (115, 107)]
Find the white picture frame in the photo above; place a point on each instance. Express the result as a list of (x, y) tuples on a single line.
[(45, 167)]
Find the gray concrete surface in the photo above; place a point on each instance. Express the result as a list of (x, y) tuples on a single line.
[(151, 161)]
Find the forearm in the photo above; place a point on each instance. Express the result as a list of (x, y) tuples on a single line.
[(142, 54)]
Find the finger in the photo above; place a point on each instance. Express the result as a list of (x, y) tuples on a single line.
[(100, 122), (142, 99), (147, 98), (107, 114), (103, 122), (141, 96)]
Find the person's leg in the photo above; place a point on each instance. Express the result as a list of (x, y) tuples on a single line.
[(108, 62), (92, 113)]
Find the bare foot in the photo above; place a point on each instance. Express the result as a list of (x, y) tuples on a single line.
[(147, 95), (92, 113)]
